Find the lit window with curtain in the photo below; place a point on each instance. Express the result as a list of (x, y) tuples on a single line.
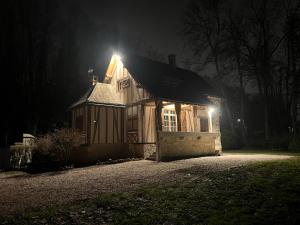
[(169, 120)]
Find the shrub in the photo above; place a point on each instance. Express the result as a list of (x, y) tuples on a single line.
[(52, 151)]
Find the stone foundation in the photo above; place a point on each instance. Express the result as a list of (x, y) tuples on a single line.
[(188, 144), (149, 149), (140, 150)]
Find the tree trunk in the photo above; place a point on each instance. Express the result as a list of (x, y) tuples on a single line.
[(266, 117), (221, 88), (242, 98), (178, 112)]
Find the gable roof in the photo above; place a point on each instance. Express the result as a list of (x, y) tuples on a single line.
[(100, 93), (166, 82), (160, 79)]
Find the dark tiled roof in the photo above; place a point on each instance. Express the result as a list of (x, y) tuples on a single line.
[(160, 79), (99, 94), (166, 82)]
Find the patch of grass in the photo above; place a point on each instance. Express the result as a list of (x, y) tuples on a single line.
[(263, 151), (262, 193), (265, 193)]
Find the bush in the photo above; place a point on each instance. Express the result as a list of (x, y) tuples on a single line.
[(52, 151)]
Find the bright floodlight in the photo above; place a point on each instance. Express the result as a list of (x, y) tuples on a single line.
[(211, 110), (118, 57)]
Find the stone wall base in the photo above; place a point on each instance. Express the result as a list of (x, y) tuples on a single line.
[(142, 150), (174, 145)]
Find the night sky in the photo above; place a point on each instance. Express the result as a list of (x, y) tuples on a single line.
[(49, 46), (156, 23)]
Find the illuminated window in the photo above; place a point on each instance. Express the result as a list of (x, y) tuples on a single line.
[(169, 120)]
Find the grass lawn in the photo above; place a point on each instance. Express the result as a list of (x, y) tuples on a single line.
[(262, 151), (262, 193)]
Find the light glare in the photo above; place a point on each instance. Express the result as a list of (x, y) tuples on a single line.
[(211, 110), (118, 57)]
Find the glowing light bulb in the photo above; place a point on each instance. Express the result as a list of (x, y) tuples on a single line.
[(211, 110), (118, 57)]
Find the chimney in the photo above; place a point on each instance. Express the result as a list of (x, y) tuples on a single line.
[(172, 61), (93, 77), (94, 80)]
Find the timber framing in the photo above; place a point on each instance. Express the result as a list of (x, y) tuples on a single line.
[(140, 101)]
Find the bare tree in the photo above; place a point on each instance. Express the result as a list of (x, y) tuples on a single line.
[(292, 59), (265, 40), (235, 35), (205, 32)]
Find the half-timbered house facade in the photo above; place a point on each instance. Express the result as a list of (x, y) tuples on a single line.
[(149, 109)]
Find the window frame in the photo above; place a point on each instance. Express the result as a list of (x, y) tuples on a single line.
[(124, 83), (169, 121)]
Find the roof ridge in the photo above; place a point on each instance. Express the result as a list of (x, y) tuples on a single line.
[(164, 63)]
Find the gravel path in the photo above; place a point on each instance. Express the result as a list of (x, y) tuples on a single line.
[(20, 191)]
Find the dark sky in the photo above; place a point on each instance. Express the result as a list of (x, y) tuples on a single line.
[(157, 23)]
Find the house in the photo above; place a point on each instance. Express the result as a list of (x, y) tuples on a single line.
[(148, 109)]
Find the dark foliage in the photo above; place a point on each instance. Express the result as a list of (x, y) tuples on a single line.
[(46, 49), (53, 150)]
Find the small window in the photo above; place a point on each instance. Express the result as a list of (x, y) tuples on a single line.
[(204, 124), (169, 120), (124, 83)]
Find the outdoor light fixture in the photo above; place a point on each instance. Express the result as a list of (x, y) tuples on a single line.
[(211, 110), (118, 57)]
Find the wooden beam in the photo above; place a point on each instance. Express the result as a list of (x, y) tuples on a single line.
[(178, 113), (113, 118), (106, 125), (88, 130), (122, 125), (115, 124), (143, 122), (158, 125), (98, 123)]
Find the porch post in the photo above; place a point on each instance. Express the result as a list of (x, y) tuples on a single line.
[(158, 126), (178, 113)]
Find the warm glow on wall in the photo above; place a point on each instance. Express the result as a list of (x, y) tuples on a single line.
[(211, 110), (169, 107)]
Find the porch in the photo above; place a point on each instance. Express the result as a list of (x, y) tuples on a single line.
[(181, 131)]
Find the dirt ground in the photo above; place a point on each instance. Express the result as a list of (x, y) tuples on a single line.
[(20, 191)]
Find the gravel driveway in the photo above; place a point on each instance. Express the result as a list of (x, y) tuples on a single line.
[(20, 191)]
